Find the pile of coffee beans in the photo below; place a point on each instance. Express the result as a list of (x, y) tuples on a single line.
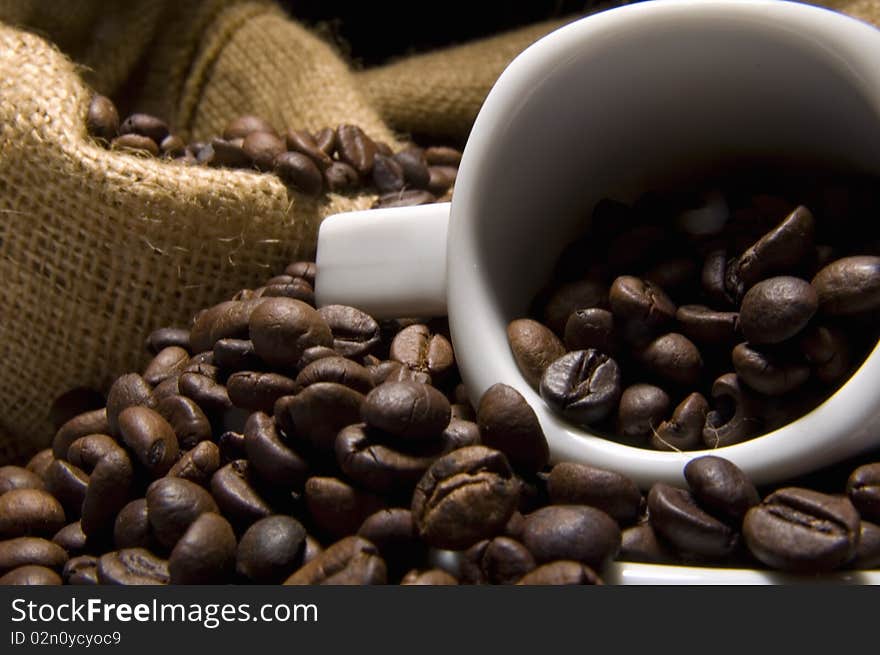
[(344, 159), (700, 320), (273, 442)]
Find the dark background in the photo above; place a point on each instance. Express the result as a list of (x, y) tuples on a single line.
[(371, 33)]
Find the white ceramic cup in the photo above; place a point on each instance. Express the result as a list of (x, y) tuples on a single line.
[(624, 101)]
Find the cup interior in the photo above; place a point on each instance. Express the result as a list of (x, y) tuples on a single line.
[(634, 99)]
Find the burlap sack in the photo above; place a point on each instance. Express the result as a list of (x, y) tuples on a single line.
[(98, 248)]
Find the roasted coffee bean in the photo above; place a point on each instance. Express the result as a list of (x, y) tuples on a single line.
[(868, 550), (684, 431), (534, 348), (828, 351), (17, 477), (271, 550), (22, 551), (442, 156), (146, 125), (641, 410), (172, 146), (704, 325), (72, 539), (74, 402), (393, 532), (634, 299), (227, 320), (298, 171), (341, 177), (500, 561), (374, 465), (582, 294), (509, 424), (863, 489), (271, 459), (325, 139), (236, 355), (776, 309), (231, 446), (187, 420), (256, 391), (465, 496), (849, 286), (405, 198), (131, 529), (676, 516), (391, 371), (340, 370), (102, 119), (210, 396), (590, 328), (721, 487), (87, 451), (129, 390), (205, 554), (67, 483), (765, 373), (713, 278), (355, 148), (303, 142), (735, 417), (415, 166), (336, 507), (150, 437), (319, 412), (640, 543), (173, 504), (355, 333), (39, 463), (561, 573), (197, 464), (432, 577), (223, 153), (240, 127), (93, 422), (410, 411), (441, 178), (797, 529), (135, 142), (583, 386), (110, 487), (420, 349), (459, 434), (233, 490), (169, 387), (169, 361), (779, 252), (31, 575), (571, 532), (282, 328), (387, 174), (263, 147), (570, 483), (29, 512), (132, 566), (673, 358), (350, 561), (81, 570)]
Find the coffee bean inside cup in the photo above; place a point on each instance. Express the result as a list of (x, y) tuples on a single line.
[(661, 330)]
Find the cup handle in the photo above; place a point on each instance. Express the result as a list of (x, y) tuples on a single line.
[(387, 262)]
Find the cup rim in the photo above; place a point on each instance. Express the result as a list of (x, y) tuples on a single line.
[(809, 442)]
